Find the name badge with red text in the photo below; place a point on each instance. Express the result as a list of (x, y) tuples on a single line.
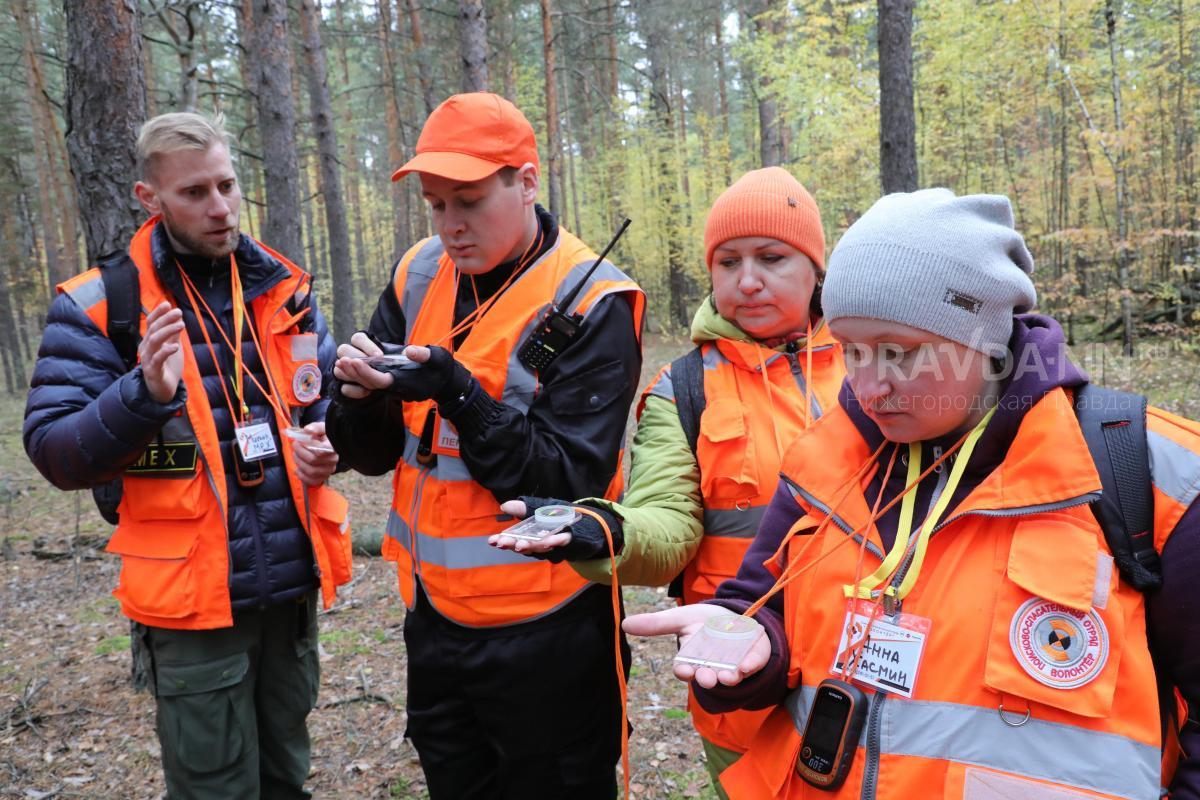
[(254, 440), (884, 653)]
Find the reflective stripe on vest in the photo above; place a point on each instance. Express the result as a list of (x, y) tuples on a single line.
[(1049, 751), (734, 504), (173, 535), (735, 523), (1020, 545), (1176, 469), (441, 518)]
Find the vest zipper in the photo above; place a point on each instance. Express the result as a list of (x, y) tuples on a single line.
[(802, 385), (871, 768), (841, 523), (1058, 505)]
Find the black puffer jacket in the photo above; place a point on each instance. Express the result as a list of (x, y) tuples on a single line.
[(86, 418)]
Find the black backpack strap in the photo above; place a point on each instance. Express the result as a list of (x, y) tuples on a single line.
[(124, 296), (687, 379), (1114, 427)]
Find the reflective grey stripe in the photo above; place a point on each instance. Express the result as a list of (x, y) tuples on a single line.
[(422, 268), (465, 552), (304, 347), (1048, 751), (446, 468), (1174, 468), (457, 553), (398, 529), (732, 522), (712, 358), (664, 387), (88, 294)]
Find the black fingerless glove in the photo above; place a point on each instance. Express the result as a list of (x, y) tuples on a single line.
[(441, 378), (587, 537)]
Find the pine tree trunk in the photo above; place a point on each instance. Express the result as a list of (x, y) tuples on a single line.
[(106, 105), (39, 111), (341, 283), (1124, 257), (418, 41), (770, 142), (472, 30), (270, 62), (723, 95), (679, 283), (392, 114), (360, 258), (897, 124), (553, 137)]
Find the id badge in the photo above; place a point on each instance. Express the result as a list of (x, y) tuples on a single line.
[(254, 440), (884, 654), (445, 438)]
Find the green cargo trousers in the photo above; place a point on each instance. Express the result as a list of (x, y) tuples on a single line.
[(232, 703)]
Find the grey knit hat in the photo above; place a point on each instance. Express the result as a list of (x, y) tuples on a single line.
[(953, 266)]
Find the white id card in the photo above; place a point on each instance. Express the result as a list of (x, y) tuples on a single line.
[(884, 654), (254, 440)]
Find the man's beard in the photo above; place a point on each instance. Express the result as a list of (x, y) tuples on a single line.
[(200, 247)]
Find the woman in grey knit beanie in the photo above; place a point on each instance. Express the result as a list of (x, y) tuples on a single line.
[(930, 558), (924, 287)]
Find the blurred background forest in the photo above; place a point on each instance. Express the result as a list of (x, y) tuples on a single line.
[(1084, 112)]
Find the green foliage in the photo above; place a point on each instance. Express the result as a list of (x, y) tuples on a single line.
[(1010, 97)]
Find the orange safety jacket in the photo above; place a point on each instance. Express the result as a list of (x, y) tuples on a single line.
[(739, 462), (441, 517), (172, 536), (995, 712)]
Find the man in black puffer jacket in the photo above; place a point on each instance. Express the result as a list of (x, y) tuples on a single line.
[(226, 528)]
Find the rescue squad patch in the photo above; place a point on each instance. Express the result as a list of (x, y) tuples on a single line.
[(1058, 646), (306, 383)]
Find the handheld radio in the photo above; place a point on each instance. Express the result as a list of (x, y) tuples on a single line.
[(558, 328)]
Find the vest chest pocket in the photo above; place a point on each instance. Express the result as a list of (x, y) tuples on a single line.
[(725, 452), (1058, 629), (300, 374)]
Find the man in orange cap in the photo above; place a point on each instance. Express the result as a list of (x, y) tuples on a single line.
[(501, 367)]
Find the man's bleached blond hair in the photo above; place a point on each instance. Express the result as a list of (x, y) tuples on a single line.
[(181, 130)]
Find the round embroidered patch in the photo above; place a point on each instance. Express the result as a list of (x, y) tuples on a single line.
[(306, 383), (1058, 646)]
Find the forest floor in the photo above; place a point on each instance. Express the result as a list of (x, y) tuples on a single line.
[(71, 726)]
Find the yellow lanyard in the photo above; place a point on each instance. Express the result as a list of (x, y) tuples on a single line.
[(870, 586)]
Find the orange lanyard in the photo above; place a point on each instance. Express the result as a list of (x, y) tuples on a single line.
[(240, 369), (469, 320)]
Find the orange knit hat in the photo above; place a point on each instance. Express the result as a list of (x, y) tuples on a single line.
[(767, 202)]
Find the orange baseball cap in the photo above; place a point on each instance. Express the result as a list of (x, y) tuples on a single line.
[(470, 136)]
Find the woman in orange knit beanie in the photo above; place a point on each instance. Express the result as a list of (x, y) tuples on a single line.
[(714, 424)]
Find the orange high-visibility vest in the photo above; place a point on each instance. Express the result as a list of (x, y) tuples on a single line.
[(173, 533), (739, 463), (441, 518), (1003, 705)]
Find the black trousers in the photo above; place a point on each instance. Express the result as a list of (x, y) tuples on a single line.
[(528, 711)]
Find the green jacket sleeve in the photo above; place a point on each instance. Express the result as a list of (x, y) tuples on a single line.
[(662, 513)]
